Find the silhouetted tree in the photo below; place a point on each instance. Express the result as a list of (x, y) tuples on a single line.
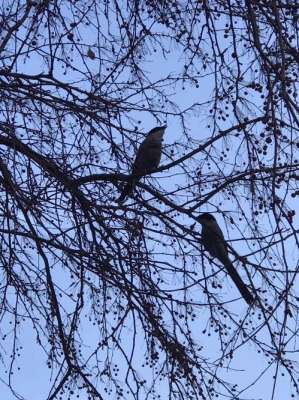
[(121, 297)]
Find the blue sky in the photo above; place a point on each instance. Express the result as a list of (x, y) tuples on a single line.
[(33, 377)]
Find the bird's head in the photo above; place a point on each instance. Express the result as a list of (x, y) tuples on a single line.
[(157, 133), (206, 218)]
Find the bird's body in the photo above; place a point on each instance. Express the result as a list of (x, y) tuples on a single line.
[(147, 159), (214, 242)]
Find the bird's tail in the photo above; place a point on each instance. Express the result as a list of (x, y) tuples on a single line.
[(128, 189), (248, 297)]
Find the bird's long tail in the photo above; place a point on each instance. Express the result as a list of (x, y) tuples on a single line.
[(127, 190), (248, 297)]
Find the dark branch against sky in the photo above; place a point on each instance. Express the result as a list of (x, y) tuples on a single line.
[(107, 300)]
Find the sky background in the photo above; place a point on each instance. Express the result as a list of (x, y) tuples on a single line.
[(33, 377)]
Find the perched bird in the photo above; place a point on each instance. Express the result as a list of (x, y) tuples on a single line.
[(214, 242), (147, 159)]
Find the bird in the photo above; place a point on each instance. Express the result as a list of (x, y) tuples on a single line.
[(215, 244), (147, 159)]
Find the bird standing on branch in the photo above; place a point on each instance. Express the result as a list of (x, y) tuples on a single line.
[(147, 159), (214, 242)]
